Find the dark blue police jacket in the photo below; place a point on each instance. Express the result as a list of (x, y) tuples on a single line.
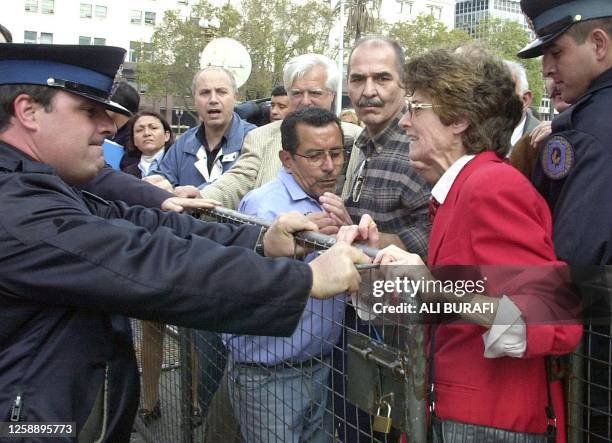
[(574, 174), (73, 267)]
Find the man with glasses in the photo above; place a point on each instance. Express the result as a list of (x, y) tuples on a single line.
[(278, 385), (310, 80)]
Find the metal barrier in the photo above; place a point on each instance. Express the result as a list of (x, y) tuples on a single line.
[(339, 379), (590, 387)]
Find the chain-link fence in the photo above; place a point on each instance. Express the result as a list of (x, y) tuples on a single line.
[(338, 378)]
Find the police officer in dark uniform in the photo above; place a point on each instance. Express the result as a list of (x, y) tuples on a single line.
[(574, 171), (72, 265)]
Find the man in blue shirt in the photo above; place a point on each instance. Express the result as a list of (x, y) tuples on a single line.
[(278, 385), (206, 151)]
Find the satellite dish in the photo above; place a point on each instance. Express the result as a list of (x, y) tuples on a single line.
[(229, 54)]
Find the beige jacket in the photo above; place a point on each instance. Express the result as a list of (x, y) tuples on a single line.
[(257, 165)]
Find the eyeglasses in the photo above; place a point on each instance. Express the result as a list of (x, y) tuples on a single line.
[(317, 158), (413, 107), (314, 92), (359, 181)]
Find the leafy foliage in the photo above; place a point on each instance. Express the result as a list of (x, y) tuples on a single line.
[(425, 32)]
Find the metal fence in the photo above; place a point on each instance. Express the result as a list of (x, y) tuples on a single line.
[(337, 379)]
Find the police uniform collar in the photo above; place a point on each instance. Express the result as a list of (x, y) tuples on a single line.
[(88, 71), (551, 22), (15, 160)]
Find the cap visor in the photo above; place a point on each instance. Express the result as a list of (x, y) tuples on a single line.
[(108, 104), (535, 48)]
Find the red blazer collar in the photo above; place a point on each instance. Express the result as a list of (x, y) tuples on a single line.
[(438, 229)]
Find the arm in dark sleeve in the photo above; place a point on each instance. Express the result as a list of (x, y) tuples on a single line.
[(115, 185), (57, 253)]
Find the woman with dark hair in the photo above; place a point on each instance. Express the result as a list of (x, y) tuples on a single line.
[(151, 135), (488, 360)]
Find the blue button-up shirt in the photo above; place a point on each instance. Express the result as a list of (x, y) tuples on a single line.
[(320, 327), (178, 165)]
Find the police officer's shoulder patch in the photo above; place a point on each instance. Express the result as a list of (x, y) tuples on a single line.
[(557, 157)]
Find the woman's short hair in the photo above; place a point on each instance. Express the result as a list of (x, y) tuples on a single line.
[(470, 84), (130, 143)]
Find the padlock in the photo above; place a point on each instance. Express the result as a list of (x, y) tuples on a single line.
[(382, 423)]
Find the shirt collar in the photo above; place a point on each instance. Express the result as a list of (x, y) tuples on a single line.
[(293, 188), (231, 140), (518, 130), (443, 186), (14, 160), (378, 142)]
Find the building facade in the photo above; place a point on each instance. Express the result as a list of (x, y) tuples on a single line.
[(123, 23), (393, 11), (468, 13)]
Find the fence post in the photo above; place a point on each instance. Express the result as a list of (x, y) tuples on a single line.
[(185, 341)]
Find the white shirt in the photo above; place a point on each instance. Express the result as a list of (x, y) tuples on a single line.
[(150, 163), (518, 131)]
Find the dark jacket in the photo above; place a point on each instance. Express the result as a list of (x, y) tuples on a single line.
[(178, 165), (578, 190), (73, 267)]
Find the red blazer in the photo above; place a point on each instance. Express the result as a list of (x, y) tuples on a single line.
[(494, 216)]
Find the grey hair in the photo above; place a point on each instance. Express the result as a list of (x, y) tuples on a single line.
[(518, 71), (213, 68), (380, 41), (298, 66)]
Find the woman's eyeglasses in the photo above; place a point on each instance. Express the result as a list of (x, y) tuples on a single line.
[(414, 107)]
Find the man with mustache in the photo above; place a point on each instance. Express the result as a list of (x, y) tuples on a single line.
[(380, 182), (380, 179)]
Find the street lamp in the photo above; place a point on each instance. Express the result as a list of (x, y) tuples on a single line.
[(179, 114)]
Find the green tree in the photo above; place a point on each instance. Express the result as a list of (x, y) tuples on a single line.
[(167, 65), (424, 33), (362, 18), (505, 38), (274, 31)]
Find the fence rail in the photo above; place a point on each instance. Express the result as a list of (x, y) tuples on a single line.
[(340, 379)]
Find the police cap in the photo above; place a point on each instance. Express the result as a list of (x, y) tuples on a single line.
[(87, 71), (551, 18)]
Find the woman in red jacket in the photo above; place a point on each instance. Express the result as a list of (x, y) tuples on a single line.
[(488, 359)]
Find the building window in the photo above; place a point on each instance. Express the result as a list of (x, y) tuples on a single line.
[(85, 10), (84, 40), (404, 7), (30, 37), (435, 11), (149, 18), (31, 6), (46, 37), (47, 6), (135, 17), (134, 47), (139, 51), (100, 11)]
